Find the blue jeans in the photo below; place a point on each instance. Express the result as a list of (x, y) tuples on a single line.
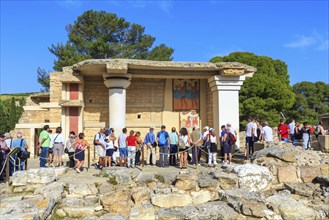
[(193, 154), (43, 156), (163, 161)]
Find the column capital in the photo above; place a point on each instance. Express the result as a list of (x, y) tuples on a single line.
[(120, 81), (225, 83)]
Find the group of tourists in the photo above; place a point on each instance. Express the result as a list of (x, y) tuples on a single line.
[(294, 132), (53, 146), (17, 159), (174, 147)]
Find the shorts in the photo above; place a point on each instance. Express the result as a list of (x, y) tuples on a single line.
[(227, 149), (123, 152), (109, 152), (100, 151), (58, 149), (79, 154)]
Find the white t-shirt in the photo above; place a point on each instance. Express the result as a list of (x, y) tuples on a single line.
[(213, 139), (292, 127), (185, 139), (250, 126), (101, 138), (57, 139), (109, 145), (267, 131), (122, 140)]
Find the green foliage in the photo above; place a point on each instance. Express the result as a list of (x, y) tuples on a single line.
[(10, 112), (43, 79), (312, 100), (268, 92), (102, 35)]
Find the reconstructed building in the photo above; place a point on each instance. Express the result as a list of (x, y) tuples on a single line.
[(136, 94)]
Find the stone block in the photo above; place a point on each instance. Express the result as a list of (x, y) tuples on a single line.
[(171, 200), (259, 146), (287, 174), (308, 174), (201, 197), (117, 202), (324, 143), (140, 195)]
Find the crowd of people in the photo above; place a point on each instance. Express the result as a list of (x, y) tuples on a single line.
[(174, 148), (294, 132)]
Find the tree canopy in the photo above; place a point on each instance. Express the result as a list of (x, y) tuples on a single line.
[(312, 100), (11, 110), (103, 35), (268, 92)]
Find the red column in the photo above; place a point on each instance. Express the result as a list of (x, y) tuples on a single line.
[(74, 119)]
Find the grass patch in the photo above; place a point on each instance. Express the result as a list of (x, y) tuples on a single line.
[(113, 180), (106, 175), (159, 177)]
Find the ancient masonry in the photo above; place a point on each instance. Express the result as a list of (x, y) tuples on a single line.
[(132, 93)]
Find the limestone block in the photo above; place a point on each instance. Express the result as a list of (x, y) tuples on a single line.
[(287, 174), (289, 208), (324, 142), (171, 200), (301, 189), (324, 168), (145, 178), (201, 196), (253, 176), (19, 178), (259, 146), (144, 212), (227, 180), (308, 174), (54, 190), (216, 210), (40, 176), (186, 181), (140, 195), (117, 202), (206, 181), (79, 212), (82, 189)]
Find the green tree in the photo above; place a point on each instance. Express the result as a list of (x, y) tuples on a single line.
[(10, 112), (312, 100), (102, 35), (43, 79), (268, 92)]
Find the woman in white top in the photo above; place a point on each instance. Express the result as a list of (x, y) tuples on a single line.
[(212, 149), (58, 147), (184, 143)]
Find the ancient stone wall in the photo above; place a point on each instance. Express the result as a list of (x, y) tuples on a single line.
[(145, 98), (55, 87), (209, 108)]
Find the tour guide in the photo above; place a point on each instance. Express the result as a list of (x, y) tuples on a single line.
[(44, 143)]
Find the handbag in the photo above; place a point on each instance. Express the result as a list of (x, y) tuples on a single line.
[(66, 150), (25, 155), (181, 144), (154, 144)]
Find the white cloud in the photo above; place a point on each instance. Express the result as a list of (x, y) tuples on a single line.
[(315, 41)]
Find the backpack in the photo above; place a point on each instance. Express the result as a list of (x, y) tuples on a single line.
[(98, 138), (232, 139), (162, 138), (181, 144)]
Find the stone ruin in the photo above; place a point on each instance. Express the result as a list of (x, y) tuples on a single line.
[(280, 182)]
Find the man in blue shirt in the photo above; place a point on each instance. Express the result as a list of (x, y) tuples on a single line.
[(163, 142), (150, 143), (22, 144)]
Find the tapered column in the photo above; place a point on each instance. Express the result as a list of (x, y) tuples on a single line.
[(225, 94), (117, 101)]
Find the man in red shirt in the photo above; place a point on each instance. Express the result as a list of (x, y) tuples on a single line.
[(283, 131)]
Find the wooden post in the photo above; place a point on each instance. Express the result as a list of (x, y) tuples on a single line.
[(7, 170), (26, 164), (142, 151), (88, 158), (196, 156)]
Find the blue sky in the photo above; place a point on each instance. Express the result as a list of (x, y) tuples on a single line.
[(293, 31)]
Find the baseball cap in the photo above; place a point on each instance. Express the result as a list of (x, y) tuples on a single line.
[(196, 127), (206, 127)]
